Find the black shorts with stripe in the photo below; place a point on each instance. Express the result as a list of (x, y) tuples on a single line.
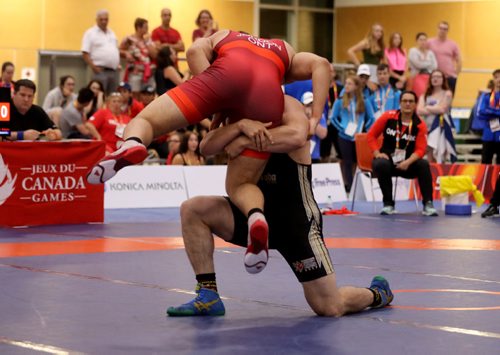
[(294, 218)]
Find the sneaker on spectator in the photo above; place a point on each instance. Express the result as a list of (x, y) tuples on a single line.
[(429, 209), (130, 153), (491, 211), (387, 210), (206, 303)]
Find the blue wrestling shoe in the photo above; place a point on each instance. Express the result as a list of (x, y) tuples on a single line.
[(381, 286), (206, 303)]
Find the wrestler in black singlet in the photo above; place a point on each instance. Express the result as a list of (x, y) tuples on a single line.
[(294, 218)]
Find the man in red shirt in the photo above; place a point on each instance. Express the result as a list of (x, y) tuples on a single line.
[(403, 147), (165, 35)]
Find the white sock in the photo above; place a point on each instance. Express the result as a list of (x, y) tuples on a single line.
[(129, 144), (255, 217)]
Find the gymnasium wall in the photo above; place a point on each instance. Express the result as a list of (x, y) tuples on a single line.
[(31, 25), (473, 25)]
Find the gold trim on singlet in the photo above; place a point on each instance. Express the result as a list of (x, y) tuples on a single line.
[(314, 215)]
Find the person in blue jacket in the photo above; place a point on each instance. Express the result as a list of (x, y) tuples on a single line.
[(385, 97), (350, 115), (321, 130), (489, 111), (298, 88)]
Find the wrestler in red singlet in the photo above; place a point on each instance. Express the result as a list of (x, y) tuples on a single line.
[(244, 81)]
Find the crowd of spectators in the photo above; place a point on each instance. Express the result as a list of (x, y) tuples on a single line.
[(101, 109), (382, 71)]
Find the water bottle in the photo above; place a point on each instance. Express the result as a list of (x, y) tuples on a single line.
[(329, 202)]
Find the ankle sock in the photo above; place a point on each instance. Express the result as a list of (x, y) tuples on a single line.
[(255, 214), (137, 139), (207, 281), (377, 299)]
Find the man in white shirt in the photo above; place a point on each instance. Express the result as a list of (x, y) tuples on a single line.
[(100, 52)]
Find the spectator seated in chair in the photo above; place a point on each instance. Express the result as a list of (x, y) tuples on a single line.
[(403, 148), (29, 121)]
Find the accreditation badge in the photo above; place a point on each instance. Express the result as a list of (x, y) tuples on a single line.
[(398, 156)]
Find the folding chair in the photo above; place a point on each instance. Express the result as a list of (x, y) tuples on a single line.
[(364, 157)]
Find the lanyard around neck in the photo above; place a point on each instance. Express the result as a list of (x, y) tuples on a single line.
[(352, 108), (398, 131), (382, 101)]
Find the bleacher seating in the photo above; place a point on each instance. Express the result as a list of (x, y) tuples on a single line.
[(468, 144)]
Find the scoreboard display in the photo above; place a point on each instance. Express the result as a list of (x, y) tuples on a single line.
[(5, 103)]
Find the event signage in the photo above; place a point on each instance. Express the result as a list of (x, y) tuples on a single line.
[(146, 187), (168, 186), (327, 181), (44, 183)]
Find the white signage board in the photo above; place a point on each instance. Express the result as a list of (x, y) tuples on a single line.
[(205, 180), (169, 186), (327, 181), (146, 187)]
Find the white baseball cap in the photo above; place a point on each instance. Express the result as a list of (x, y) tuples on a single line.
[(363, 69), (307, 98)]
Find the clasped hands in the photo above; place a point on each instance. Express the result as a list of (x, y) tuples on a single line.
[(402, 165)]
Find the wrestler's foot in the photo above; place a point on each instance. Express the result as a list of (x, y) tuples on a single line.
[(130, 153), (257, 254), (380, 286), (206, 303)]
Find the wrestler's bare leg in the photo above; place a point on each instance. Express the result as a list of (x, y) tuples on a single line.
[(159, 117), (200, 217), (242, 176), (326, 299), (203, 215)]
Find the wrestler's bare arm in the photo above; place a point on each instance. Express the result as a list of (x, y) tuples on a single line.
[(288, 137), (305, 66), (200, 53)]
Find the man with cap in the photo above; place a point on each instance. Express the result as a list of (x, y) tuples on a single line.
[(130, 106), (321, 130), (298, 89), (367, 86), (147, 95)]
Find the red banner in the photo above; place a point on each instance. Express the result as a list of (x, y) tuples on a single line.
[(44, 183)]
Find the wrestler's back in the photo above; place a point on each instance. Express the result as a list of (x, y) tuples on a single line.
[(250, 73)]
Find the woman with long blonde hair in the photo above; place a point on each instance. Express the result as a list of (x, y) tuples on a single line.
[(350, 115), (372, 48)]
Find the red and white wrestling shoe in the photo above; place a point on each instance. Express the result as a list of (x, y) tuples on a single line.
[(257, 254), (130, 153)]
